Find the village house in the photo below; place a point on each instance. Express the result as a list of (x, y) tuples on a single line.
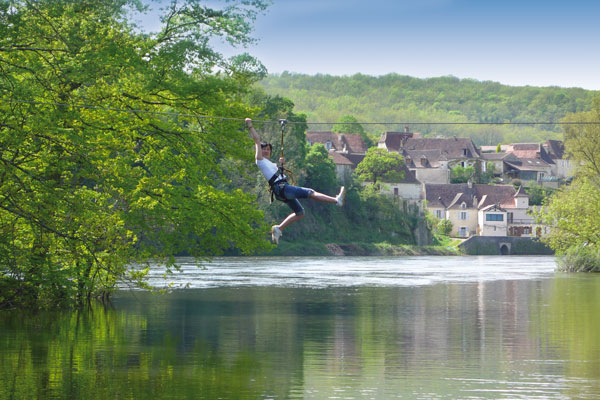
[(487, 210), (563, 167), (346, 150), (408, 191), (431, 158), (545, 164)]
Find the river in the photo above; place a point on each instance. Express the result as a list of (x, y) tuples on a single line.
[(320, 328)]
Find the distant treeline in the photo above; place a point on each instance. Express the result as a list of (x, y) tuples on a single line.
[(397, 98)]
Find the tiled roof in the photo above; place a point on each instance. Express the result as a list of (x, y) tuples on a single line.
[(354, 142), (451, 148), (323, 137), (528, 164), (415, 158), (555, 149), (521, 192), (530, 151), (409, 176), (477, 196), (494, 156), (349, 142), (340, 159), (355, 158), (393, 140)]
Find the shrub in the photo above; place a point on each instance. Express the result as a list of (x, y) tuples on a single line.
[(444, 227), (581, 258)]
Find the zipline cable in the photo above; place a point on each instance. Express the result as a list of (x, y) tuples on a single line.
[(200, 116)]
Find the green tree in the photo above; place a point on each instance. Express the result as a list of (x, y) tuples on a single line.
[(565, 215), (87, 192), (320, 169), (460, 174), (444, 227), (380, 165), (573, 213), (349, 124), (538, 194), (583, 141)]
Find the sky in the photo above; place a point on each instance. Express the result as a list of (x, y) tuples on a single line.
[(514, 42)]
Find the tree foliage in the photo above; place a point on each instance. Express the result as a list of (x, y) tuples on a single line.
[(379, 165), (320, 169), (460, 174), (573, 213), (86, 192), (349, 124), (397, 98)]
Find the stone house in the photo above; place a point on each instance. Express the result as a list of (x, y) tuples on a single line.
[(541, 163), (409, 191), (475, 209), (562, 167), (346, 150), (431, 158)]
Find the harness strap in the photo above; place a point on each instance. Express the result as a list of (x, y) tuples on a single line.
[(281, 183)]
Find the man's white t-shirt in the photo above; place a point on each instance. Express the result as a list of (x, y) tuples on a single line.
[(267, 167)]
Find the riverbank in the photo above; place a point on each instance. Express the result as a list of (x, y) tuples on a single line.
[(310, 248)]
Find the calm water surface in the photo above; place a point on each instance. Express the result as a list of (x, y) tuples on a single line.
[(321, 328)]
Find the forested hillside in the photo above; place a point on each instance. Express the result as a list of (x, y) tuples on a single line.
[(396, 98)]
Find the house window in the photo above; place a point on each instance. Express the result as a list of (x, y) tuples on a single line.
[(509, 217), (328, 145), (464, 152), (463, 205), (396, 192), (463, 215), (463, 231), (494, 217), (526, 230), (439, 214)]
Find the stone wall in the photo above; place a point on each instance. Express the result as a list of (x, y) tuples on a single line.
[(504, 245)]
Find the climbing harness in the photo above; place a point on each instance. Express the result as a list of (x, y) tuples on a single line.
[(280, 179)]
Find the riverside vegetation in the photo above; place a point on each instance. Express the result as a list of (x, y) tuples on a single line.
[(574, 211), (86, 192)]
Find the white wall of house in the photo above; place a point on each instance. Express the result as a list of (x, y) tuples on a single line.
[(432, 175), (563, 169), (492, 223), (409, 193)]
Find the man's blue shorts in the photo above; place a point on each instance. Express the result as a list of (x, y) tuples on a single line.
[(292, 194)]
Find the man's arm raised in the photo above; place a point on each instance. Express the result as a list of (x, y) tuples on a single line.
[(255, 137)]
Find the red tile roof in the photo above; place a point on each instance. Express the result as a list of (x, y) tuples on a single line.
[(340, 159), (346, 142), (477, 196)]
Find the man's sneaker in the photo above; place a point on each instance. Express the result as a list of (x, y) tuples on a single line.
[(275, 234), (341, 196)]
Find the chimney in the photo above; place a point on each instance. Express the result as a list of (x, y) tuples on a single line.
[(406, 129), (470, 184)]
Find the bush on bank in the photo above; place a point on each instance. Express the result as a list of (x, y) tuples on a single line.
[(582, 258)]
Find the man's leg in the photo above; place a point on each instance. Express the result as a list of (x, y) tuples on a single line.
[(290, 219), (339, 199), (298, 214)]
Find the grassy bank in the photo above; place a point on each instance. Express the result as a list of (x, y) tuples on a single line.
[(313, 248)]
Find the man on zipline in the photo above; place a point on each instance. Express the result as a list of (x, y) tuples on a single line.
[(283, 191)]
